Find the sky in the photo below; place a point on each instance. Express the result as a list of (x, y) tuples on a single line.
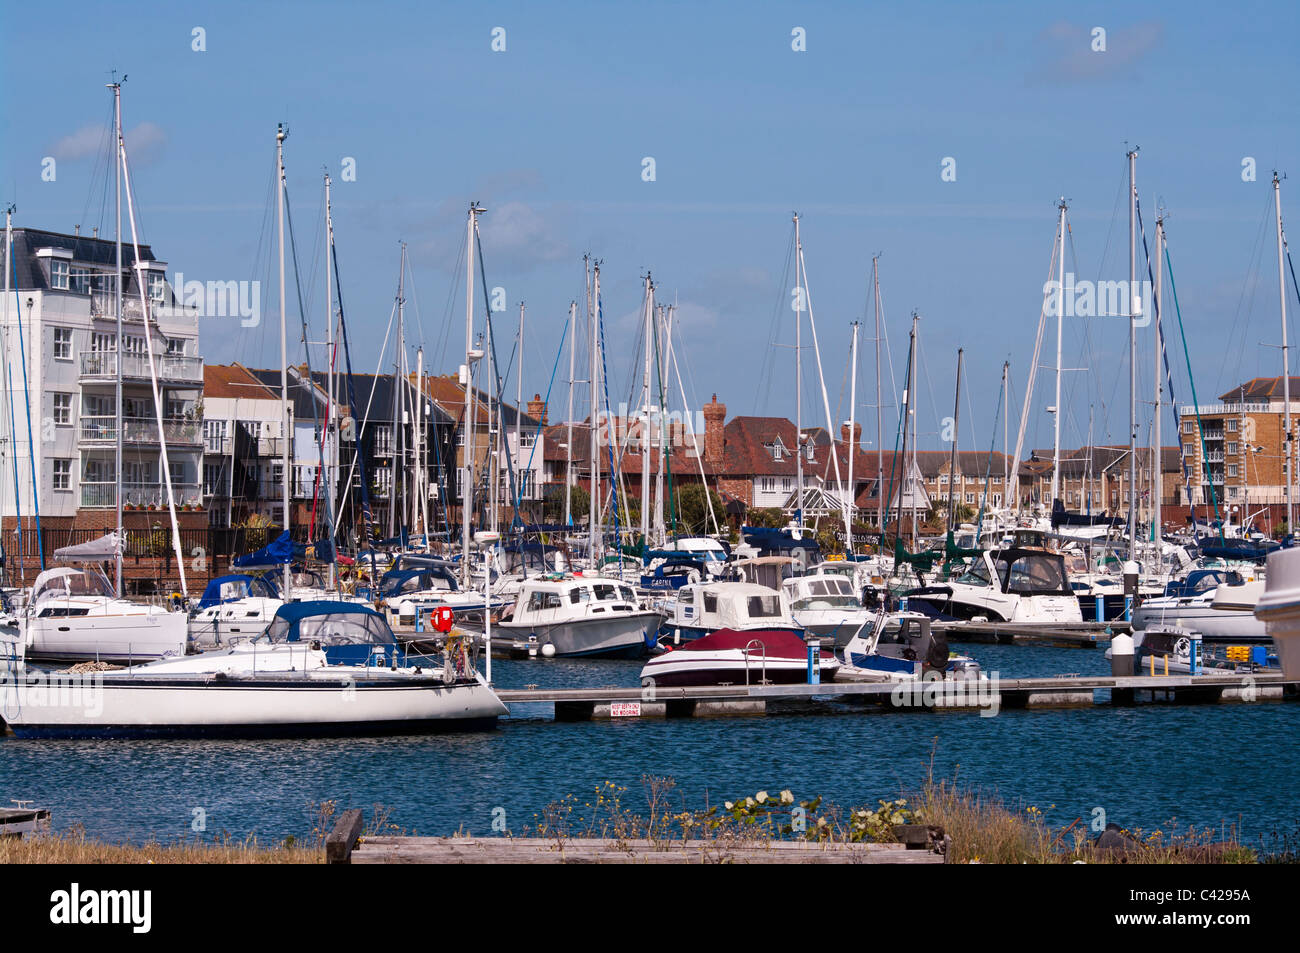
[(854, 132)]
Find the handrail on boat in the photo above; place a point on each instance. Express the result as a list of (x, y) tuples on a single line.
[(763, 648)]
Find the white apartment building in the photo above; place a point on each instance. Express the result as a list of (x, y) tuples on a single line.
[(59, 326)]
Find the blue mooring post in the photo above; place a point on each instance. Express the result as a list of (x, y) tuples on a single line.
[(1194, 654), (419, 618), (1101, 607), (814, 660), (1128, 609)]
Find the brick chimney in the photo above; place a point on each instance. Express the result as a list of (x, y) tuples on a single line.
[(715, 416), (857, 434), (537, 408)]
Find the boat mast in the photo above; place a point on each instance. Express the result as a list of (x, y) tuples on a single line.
[(568, 423), (330, 455), (1288, 463), (117, 362), (851, 448), (1157, 455), (798, 379), (1060, 327), (419, 504), (1134, 309), (1006, 442), (880, 426), (397, 449), (519, 412), (952, 453), (592, 507), (911, 413), (645, 425), (280, 136), (470, 416)]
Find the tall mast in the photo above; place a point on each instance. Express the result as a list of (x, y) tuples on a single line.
[(11, 443), (1288, 463), (568, 423), (117, 362), (330, 456), (1157, 456), (470, 416), (911, 421), (519, 407), (665, 354), (284, 342), (851, 448), (1006, 434), (396, 500), (1060, 327), (1134, 309), (880, 425), (593, 506), (800, 292), (645, 425), (952, 453), (419, 518)]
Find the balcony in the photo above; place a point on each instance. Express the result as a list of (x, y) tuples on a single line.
[(272, 447), (104, 495), (101, 431), (101, 367)]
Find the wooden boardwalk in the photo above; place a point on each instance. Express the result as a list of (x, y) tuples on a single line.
[(515, 850)]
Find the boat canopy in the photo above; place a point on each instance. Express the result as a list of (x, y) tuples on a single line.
[(397, 581), (770, 643), (65, 581), (229, 588), (329, 622), (106, 547)]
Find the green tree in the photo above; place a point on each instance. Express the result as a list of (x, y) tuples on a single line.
[(553, 504), (693, 510), (766, 516)]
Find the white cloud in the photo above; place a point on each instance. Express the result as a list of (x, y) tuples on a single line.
[(144, 143)]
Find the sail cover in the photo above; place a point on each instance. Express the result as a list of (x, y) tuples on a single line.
[(106, 547), (275, 553)]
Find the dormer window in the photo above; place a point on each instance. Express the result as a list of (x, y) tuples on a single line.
[(59, 274), (811, 451)]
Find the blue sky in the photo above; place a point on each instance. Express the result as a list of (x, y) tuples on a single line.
[(550, 134)]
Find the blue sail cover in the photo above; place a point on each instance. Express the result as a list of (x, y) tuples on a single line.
[(276, 553)]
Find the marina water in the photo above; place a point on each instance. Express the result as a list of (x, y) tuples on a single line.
[(1203, 765)]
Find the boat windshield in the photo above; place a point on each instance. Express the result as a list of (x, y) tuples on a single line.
[(1034, 574), (78, 584), (333, 628), (764, 607), (976, 575)]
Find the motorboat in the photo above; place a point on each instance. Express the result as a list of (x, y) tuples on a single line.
[(1217, 604), (431, 586), (902, 646), (589, 616), (827, 605), (708, 607), (739, 657), (1279, 608), (233, 608), (1015, 584), (74, 615), (321, 668)]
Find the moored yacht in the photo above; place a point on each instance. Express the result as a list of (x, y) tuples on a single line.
[(827, 605), (740, 606), (1017, 584), (74, 615), (582, 616), (322, 668)]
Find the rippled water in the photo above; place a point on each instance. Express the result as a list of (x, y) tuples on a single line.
[(1202, 764)]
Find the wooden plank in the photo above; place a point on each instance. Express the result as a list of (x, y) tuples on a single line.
[(341, 841)]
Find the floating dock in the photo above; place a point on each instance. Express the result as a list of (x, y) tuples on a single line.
[(986, 695), (1080, 635)]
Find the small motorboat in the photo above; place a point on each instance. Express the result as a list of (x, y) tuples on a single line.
[(902, 646), (732, 657), (322, 668)]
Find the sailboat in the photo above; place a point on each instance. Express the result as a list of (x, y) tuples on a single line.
[(76, 613)]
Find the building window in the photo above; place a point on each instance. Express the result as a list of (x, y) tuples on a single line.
[(63, 409), (62, 474), (63, 344), (1231, 424), (80, 280), (157, 288), (1232, 469), (212, 482), (132, 344), (102, 342), (769, 484), (176, 347), (970, 497), (1230, 447), (59, 274), (1189, 426)]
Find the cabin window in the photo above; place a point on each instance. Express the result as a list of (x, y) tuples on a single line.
[(626, 593), (764, 607), (544, 600), (605, 592), (710, 602), (579, 595)]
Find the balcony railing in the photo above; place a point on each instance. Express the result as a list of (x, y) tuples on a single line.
[(172, 368), (101, 429), (101, 494), (217, 443), (272, 447)]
